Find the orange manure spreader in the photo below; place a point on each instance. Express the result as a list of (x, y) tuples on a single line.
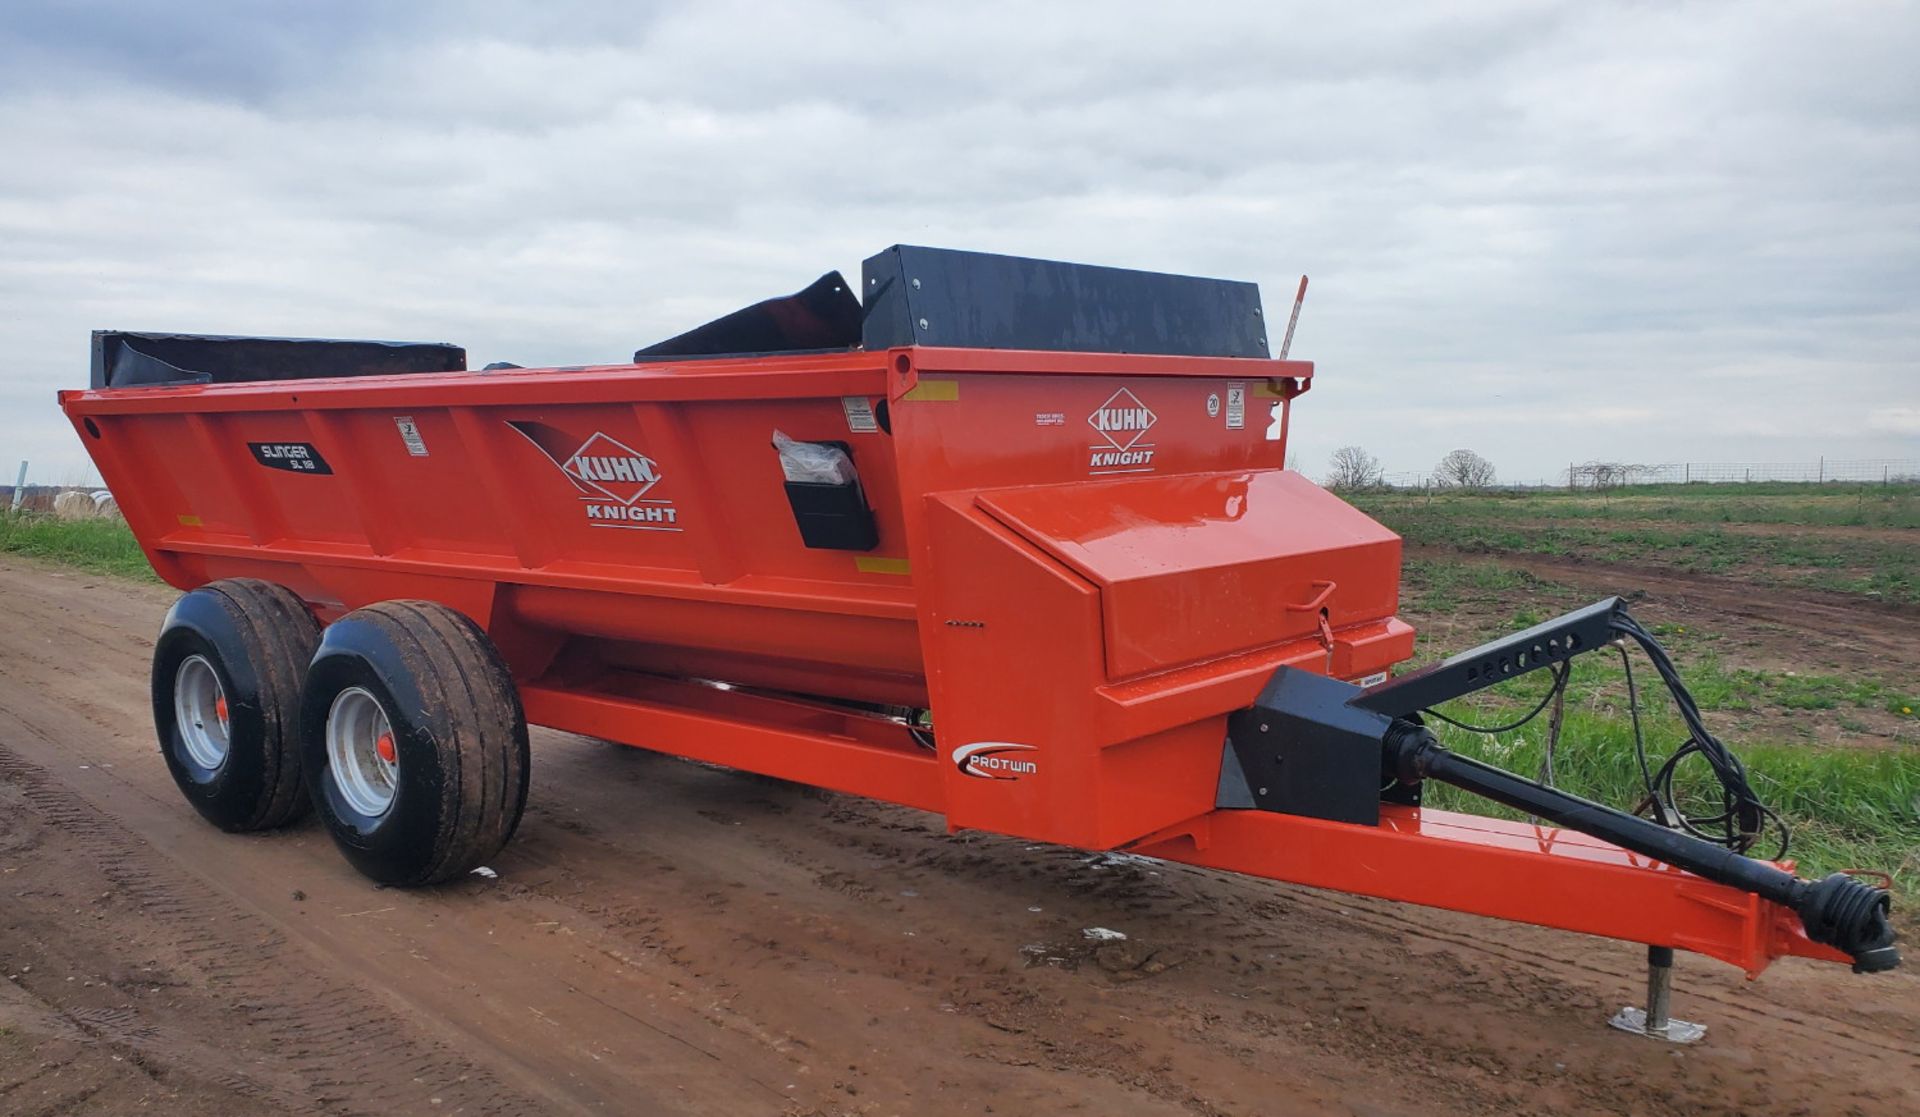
[(1008, 540)]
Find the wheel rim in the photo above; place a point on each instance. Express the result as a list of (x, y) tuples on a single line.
[(361, 753), (200, 712)]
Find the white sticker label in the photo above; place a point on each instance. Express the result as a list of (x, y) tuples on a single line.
[(1049, 418), (1374, 679), (859, 411), (410, 434), (1236, 406), (1213, 404)]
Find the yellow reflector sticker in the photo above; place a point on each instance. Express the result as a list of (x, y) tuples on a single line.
[(188, 521), (934, 391), (870, 564)]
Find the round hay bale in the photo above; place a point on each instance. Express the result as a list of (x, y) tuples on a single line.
[(73, 505)]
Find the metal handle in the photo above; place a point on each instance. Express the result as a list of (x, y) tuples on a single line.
[(1326, 590)]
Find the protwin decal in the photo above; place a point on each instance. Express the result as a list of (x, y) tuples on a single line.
[(995, 760), (611, 477), (1122, 424)]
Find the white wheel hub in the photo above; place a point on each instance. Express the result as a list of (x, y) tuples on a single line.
[(361, 753), (200, 712)]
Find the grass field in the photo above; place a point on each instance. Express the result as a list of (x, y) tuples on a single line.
[(1837, 752), (1846, 807), (104, 546), (1854, 539), (1834, 749)]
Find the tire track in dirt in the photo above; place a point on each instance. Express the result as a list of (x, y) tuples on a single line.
[(1391, 922), (316, 1027), (873, 853), (730, 1084)]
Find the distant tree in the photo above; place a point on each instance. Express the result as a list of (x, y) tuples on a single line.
[(1463, 469), (1353, 468)]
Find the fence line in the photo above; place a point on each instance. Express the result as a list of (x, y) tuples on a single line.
[(1600, 475), (1578, 475)]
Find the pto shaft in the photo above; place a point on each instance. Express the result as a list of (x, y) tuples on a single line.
[(1840, 911)]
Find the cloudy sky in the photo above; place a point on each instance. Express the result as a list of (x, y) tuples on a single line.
[(1651, 232)]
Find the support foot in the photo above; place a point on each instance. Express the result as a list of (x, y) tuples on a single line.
[(1653, 1021)]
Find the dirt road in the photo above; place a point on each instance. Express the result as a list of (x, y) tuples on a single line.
[(664, 937)]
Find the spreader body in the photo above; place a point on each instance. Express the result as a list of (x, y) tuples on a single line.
[(1085, 562), (1068, 553)]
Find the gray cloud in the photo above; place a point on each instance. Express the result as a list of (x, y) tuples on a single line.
[(1546, 231)]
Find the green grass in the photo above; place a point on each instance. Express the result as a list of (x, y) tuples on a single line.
[(1846, 808), (1717, 686), (1830, 505), (1432, 588), (102, 546)]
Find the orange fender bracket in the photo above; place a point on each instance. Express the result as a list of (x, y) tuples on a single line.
[(1493, 867)]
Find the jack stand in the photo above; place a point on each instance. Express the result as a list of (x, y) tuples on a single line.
[(1653, 1021)]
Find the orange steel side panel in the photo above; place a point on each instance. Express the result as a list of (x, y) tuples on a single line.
[(486, 519), (1018, 663), (1095, 595)]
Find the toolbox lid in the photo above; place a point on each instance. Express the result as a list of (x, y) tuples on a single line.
[(1199, 566)]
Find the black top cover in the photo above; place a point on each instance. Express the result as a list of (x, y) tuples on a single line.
[(132, 360), (913, 296), (937, 296), (824, 316)]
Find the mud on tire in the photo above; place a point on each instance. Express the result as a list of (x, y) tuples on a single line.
[(414, 744), (227, 672)]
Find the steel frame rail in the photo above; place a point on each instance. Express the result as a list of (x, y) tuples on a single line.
[(1506, 870)]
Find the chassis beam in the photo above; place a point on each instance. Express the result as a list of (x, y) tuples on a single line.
[(1508, 870)]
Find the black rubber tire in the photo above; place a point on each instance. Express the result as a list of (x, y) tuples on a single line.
[(258, 637), (458, 731)]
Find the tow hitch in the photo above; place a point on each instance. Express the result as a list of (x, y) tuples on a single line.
[(1327, 749)]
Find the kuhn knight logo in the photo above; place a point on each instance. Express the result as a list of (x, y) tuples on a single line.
[(611, 476), (995, 760), (612, 469), (1122, 424)]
